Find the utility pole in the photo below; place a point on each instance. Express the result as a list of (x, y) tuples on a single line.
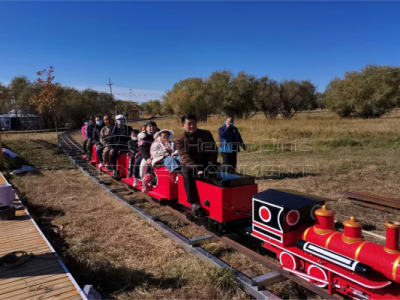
[(130, 92), (110, 84)]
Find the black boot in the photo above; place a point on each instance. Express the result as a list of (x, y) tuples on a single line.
[(115, 175)]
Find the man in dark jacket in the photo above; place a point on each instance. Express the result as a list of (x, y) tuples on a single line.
[(89, 135), (230, 141), (197, 150), (96, 137), (118, 141)]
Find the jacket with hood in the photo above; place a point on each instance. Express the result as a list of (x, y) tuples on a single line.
[(159, 150), (96, 134)]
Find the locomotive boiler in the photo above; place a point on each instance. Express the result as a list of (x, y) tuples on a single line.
[(300, 230)]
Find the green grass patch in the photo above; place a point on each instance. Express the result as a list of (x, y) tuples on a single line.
[(38, 153), (346, 142)]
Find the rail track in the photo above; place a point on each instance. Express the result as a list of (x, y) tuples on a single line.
[(257, 287)]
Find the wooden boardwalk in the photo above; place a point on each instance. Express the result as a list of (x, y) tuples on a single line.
[(42, 277)]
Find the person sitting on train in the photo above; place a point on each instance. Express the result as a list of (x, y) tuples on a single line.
[(119, 138), (104, 151), (146, 139), (198, 151), (83, 131), (96, 137), (133, 148), (89, 135), (164, 152)]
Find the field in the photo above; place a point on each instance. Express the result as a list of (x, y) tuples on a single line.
[(106, 245)]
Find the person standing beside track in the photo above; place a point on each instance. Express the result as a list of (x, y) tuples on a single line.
[(120, 135), (230, 141), (89, 134), (104, 151), (197, 150)]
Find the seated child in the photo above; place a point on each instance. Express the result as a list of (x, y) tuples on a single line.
[(163, 150), (133, 148)]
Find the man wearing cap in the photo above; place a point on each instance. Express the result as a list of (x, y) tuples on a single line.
[(89, 134), (119, 137)]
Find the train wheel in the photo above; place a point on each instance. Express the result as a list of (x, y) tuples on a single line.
[(319, 273), (287, 260)]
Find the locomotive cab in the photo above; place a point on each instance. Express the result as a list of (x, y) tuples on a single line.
[(225, 198), (280, 216)]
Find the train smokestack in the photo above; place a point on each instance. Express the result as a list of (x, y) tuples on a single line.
[(324, 220), (352, 231), (392, 236)]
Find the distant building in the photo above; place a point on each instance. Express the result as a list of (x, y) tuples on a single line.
[(20, 120)]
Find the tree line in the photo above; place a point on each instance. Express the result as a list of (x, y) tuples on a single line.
[(368, 93), (241, 96)]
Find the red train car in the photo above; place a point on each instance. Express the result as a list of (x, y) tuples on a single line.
[(226, 200)]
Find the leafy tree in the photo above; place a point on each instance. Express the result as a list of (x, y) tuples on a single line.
[(21, 91), (296, 96), (188, 96), (266, 98), (218, 89), (48, 100), (367, 94), (4, 98), (240, 100), (166, 108), (155, 106)]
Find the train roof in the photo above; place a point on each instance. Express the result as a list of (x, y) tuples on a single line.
[(289, 199)]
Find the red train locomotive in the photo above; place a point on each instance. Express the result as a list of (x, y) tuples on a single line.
[(298, 228)]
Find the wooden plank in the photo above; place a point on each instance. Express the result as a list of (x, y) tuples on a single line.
[(36, 249), (37, 265), (40, 277), (55, 289), (39, 286), (56, 295), (33, 274), (23, 241), (31, 280), (76, 297)]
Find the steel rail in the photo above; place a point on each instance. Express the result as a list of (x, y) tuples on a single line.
[(257, 285)]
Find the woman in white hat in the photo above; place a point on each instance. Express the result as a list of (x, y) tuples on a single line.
[(163, 151)]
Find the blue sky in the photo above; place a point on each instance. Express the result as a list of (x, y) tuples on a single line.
[(148, 46)]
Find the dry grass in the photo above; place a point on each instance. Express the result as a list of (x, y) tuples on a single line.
[(344, 155), (106, 245), (320, 154)]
